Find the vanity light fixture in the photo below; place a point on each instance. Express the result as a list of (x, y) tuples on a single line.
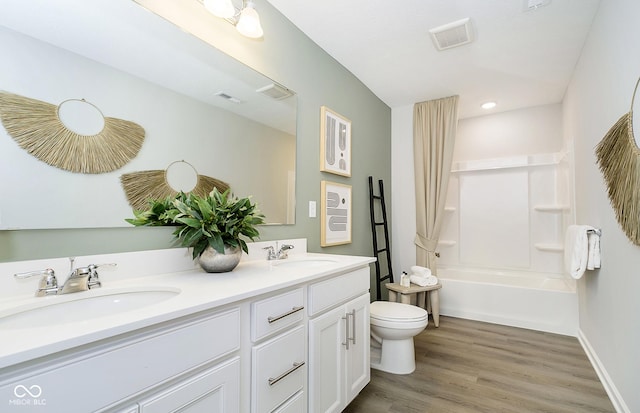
[(488, 105), (246, 20)]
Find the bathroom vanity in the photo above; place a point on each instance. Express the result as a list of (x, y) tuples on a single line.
[(162, 335)]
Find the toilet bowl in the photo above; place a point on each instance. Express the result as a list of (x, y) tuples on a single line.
[(393, 326)]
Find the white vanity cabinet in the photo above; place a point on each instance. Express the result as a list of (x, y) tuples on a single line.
[(266, 338), (339, 339)]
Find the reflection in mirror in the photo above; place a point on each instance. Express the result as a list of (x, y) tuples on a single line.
[(195, 104), (81, 117), (181, 176)]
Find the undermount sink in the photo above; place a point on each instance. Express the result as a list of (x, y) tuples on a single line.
[(304, 263), (84, 306)]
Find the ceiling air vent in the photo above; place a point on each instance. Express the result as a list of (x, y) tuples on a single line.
[(228, 97), (275, 91), (452, 34), (532, 5)]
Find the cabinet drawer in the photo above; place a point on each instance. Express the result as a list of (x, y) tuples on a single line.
[(334, 291), (279, 370), (273, 314), (295, 405), (215, 390)]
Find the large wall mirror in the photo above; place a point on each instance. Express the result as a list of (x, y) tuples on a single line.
[(195, 103)]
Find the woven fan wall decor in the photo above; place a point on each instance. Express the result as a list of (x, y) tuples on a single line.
[(37, 128), (140, 187), (619, 160)]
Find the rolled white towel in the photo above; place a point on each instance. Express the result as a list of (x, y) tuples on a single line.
[(424, 281), (422, 271)]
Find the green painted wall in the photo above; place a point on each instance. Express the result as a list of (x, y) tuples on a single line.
[(289, 57)]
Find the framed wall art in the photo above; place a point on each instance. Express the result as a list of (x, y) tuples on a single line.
[(335, 216), (335, 143)]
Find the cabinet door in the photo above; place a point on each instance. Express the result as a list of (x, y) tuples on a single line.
[(358, 372), (326, 361), (215, 390)]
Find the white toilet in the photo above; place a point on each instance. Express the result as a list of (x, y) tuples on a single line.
[(393, 326)]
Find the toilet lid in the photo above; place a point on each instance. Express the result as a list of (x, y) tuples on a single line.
[(386, 310)]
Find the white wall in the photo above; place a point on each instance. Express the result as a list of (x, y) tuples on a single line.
[(518, 132), (600, 92), (403, 197)]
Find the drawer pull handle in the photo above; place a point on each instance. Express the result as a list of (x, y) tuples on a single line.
[(346, 331), (353, 326), (281, 316), (295, 367)]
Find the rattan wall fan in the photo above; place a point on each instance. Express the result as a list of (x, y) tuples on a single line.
[(139, 187), (619, 160), (37, 128)]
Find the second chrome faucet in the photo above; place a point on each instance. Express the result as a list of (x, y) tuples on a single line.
[(282, 253), (79, 279)]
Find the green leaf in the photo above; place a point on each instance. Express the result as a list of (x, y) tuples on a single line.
[(217, 243), (192, 222)]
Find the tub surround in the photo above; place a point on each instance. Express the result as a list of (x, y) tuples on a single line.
[(204, 299)]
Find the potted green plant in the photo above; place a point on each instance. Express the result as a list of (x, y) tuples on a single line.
[(213, 226)]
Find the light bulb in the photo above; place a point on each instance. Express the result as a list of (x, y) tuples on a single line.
[(220, 8), (249, 22), (489, 105)]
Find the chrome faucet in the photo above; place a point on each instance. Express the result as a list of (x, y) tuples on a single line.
[(48, 284), (282, 253), (79, 279), (82, 278)]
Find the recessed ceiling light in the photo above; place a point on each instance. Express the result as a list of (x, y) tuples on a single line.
[(488, 105)]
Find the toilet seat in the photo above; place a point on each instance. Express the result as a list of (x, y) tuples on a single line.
[(398, 314)]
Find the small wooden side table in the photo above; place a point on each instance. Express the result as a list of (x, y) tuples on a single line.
[(431, 303)]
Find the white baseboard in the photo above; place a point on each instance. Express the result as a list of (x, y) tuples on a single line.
[(609, 386)]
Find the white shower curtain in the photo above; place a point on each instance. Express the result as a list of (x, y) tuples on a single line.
[(434, 131)]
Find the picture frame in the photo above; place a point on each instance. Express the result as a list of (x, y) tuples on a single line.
[(335, 143), (335, 217)]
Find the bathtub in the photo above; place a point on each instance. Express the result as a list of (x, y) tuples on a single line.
[(521, 299)]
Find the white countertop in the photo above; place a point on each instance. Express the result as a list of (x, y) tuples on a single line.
[(198, 291)]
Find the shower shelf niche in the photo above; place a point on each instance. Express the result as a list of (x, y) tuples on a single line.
[(549, 247), (551, 208)]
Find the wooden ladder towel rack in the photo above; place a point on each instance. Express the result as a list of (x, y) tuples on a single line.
[(386, 249)]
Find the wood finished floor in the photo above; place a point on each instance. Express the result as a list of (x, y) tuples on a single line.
[(469, 367)]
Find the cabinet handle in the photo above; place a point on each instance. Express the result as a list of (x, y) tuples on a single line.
[(353, 326), (281, 316), (346, 331), (295, 367)]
